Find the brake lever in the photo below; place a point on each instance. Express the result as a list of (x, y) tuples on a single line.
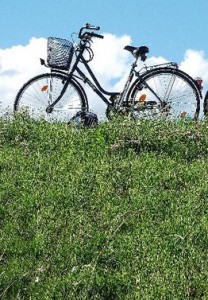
[(92, 27)]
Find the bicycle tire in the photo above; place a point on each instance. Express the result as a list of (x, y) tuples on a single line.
[(177, 90), (40, 91), (205, 105)]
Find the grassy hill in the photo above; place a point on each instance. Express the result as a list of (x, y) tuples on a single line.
[(115, 212)]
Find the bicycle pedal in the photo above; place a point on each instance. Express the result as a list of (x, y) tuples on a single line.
[(147, 104)]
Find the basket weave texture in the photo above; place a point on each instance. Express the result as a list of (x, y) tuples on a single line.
[(59, 53)]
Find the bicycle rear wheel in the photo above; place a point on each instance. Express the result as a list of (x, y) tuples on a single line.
[(165, 92), (39, 92)]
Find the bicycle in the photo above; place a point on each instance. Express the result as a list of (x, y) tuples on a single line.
[(155, 91)]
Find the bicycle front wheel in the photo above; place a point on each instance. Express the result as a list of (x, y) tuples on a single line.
[(41, 91), (165, 92)]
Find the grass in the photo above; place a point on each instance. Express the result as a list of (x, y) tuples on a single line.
[(115, 212)]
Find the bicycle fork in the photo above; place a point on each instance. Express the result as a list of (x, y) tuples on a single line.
[(50, 92), (51, 102)]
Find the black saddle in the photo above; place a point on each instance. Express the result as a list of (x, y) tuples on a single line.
[(138, 51)]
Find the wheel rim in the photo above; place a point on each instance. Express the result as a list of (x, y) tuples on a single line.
[(44, 90), (178, 97)]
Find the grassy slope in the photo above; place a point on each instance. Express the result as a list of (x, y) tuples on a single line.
[(117, 212)]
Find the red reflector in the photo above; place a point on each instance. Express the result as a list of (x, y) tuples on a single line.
[(44, 88)]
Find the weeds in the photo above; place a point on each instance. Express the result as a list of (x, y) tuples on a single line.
[(115, 212)]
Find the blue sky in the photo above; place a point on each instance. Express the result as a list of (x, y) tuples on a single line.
[(174, 30), (168, 27)]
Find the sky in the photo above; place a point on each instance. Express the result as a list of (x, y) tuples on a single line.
[(174, 30)]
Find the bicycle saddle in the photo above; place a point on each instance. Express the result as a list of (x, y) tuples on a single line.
[(138, 51)]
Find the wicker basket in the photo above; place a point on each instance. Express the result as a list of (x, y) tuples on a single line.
[(59, 53)]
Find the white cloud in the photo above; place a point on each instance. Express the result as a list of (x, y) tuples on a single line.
[(17, 65), (110, 64), (111, 61), (196, 65)]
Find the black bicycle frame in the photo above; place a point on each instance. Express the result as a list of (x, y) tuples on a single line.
[(96, 86)]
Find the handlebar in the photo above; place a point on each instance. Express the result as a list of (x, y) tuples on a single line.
[(88, 35)]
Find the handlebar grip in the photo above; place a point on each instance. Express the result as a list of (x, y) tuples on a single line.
[(92, 27), (95, 27)]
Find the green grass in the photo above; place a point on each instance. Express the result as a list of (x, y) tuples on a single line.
[(115, 212)]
